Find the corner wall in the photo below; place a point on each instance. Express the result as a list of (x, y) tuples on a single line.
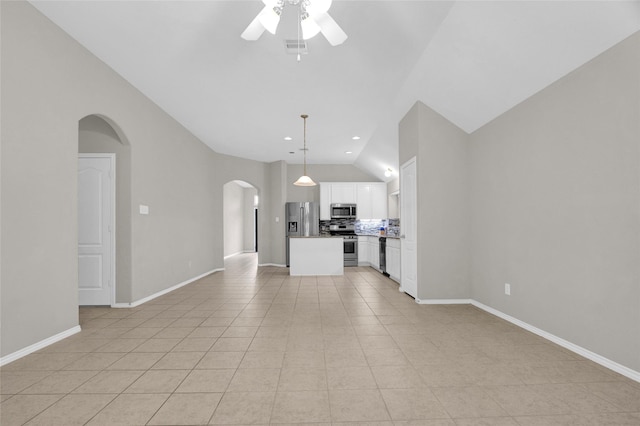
[(555, 189), (50, 82), (443, 216)]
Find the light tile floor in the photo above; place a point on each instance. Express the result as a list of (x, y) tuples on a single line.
[(254, 346)]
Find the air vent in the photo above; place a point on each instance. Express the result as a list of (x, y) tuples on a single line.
[(293, 47)]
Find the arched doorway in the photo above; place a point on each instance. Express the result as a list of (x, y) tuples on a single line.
[(103, 281), (241, 204)]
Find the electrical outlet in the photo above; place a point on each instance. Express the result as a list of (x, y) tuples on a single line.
[(189, 264), (507, 289)]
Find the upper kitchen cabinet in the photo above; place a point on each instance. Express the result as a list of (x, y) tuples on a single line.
[(325, 201), (343, 193), (335, 192), (372, 200), (364, 201)]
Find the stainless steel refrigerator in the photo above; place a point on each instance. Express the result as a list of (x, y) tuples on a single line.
[(302, 220)]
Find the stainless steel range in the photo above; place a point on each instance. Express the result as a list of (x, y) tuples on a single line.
[(350, 241)]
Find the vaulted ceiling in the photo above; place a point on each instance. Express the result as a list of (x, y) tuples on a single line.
[(469, 60)]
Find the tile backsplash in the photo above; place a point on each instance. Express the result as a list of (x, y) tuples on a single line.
[(372, 227), (367, 227)]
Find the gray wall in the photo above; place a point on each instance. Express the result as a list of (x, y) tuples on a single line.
[(274, 214), (441, 150), (556, 196), (49, 83)]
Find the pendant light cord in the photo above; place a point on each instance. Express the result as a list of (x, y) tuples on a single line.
[(304, 117), (299, 25)]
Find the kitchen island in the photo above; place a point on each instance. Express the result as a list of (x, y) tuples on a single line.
[(320, 255)]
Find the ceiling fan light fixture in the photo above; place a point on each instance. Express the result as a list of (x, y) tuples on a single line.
[(269, 17), (313, 18), (309, 27)]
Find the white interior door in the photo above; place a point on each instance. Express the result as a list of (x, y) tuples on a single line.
[(96, 220), (408, 226)]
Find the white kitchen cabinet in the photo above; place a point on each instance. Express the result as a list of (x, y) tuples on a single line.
[(363, 251), (371, 200), (369, 197), (343, 193), (393, 258), (379, 201), (363, 201), (325, 200), (374, 252)]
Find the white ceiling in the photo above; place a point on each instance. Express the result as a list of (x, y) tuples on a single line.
[(469, 60)]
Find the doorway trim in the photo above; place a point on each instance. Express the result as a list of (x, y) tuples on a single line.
[(112, 222)]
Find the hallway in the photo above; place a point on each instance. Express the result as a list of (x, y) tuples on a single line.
[(252, 345)]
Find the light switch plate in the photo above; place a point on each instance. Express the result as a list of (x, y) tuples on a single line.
[(144, 209)]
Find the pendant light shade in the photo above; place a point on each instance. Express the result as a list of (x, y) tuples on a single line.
[(305, 180)]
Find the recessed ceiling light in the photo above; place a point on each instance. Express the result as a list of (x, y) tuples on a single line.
[(356, 138), (288, 138), (348, 152)]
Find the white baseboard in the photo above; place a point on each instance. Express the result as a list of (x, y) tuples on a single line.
[(233, 254), (272, 264), (163, 292), (444, 301), (599, 359), (39, 345)]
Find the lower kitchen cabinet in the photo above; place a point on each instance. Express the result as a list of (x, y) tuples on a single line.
[(374, 252), (393, 258), (368, 251), (363, 251), (369, 254)]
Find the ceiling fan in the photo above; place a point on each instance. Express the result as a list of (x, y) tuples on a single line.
[(313, 19)]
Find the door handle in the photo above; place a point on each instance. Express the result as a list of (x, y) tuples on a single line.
[(403, 236)]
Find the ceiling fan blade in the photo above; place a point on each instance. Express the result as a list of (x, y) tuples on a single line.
[(309, 28), (330, 29), (254, 30)]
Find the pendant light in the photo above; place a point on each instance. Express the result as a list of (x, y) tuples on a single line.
[(305, 180)]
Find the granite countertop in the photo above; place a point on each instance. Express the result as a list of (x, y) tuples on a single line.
[(378, 235)]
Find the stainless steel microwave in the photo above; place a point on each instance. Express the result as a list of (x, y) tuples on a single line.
[(343, 211)]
